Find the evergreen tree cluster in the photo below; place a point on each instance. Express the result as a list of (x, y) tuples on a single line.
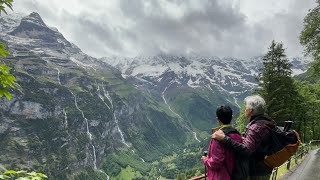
[(286, 97), (277, 85)]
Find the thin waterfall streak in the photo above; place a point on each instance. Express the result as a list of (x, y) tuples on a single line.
[(107, 95), (94, 157), (102, 97), (165, 101), (104, 174), (65, 118), (58, 76), (195, 136), (120, 132), (236, 102)]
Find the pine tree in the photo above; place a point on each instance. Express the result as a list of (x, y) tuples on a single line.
[(276, 84), (242, 120)]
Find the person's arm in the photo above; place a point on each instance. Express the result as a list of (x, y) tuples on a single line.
[(236, 146), (254, 136), (216, 161)]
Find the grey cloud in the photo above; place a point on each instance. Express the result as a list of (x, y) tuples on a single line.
[(98, 31), (213, 29), (203, 30), (287, 26), (93, 37)]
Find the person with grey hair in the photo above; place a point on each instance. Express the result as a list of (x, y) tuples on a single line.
[(256, 103), (256, 139)]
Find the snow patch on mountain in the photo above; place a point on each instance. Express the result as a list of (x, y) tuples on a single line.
[(232, 77)]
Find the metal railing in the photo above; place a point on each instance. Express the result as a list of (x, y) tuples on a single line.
[(302, 151)]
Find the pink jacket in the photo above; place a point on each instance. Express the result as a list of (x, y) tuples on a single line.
[(217, 154)]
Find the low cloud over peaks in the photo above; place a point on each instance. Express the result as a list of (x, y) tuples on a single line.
[(131, 28)]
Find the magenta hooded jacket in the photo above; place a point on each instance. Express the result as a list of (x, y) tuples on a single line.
[(217, 154)]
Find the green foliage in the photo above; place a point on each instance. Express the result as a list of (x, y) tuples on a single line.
[(4, 3), (22, 175), (242, 120), (308, 114), (277, 85), (196, 110), (116, 161), (89, 173), (286, 98), (129, 173), (310, 37), (3, 51), (6, 79), (194, 172)]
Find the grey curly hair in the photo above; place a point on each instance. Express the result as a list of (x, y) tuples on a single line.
[(256, 103)]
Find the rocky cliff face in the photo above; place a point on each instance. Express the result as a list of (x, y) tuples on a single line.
[(72, 112)]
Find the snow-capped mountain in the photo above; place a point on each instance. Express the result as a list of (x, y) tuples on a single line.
[(233, 77)]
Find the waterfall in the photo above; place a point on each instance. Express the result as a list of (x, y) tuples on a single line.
[(65, 118), (88, 133), (90, 138), (102, 97), (236, 102), (107, 95), (119, 130), (58, 76), (104, 174), (94, 156), (165, 101), (195, 136)]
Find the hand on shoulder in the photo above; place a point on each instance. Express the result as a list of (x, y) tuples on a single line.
[(218, 135)]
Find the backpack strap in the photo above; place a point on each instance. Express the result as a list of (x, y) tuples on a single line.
[(227, 131), (225, 165)]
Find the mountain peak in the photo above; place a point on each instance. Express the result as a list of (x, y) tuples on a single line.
[(33, 27), (35, 18)]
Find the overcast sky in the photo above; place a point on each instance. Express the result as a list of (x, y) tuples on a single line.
[(224, 28)]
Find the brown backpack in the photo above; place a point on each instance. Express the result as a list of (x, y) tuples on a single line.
[(284, 144)]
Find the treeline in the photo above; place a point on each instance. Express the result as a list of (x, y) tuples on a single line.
[(293, 98), (289, 98)]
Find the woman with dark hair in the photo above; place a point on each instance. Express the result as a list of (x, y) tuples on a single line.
[(219, 161)]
